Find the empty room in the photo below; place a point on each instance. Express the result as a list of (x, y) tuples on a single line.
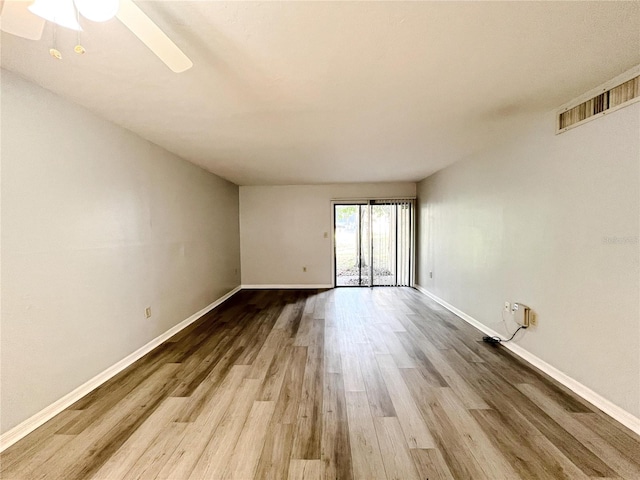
[(319, 240)]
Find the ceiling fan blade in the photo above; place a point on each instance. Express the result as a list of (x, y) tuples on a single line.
[(151, 35), (16, 19)]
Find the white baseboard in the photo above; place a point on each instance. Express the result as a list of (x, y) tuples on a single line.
[(19, 431), (625, 418), (287, 286)]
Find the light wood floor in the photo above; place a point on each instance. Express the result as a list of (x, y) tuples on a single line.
[(340, 384)]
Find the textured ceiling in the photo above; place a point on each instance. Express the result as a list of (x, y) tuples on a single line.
[(323, 92)]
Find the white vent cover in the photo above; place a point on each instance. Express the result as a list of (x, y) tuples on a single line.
[(613, 95)]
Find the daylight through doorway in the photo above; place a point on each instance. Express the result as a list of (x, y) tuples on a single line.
[(373, 243)]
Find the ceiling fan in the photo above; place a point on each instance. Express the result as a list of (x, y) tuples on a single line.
[(26, 18)]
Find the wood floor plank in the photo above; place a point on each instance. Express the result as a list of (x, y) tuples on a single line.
[(376, 339), (377, 393), (274, 378), (197, 404), (429, 372), (599, 447), (130, 452), (198, 434), (244, 460), (111, 394), (625, 442), (365, 450), (449, 442), (335, 445), (295, 316), (202, 362), (519, 450), (333, 384), (353, 380), (319, 307), (22, 451), (428, 322), (491, 460), (460, 460), (394, 324), (415, 430), (288, 400), (43, 454), (276, 341), (396, 457), (306, 470), (157, 454), (276, 453), (561, 466), (253, 340), (91, 448), (430, 464), (571, 447), (309, 305), (332, 360), (218, 452), (401, 356), (285, 319), (305, 331), (308, 435), (448, 372)]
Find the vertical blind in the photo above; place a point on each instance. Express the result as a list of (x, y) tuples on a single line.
[(391, 242)]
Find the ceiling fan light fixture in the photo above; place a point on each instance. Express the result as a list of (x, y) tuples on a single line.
[(97, 10), (55, 53), (60, 12)]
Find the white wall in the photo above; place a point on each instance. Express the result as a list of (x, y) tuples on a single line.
[(552, 222), (97, 224), (282, 229)]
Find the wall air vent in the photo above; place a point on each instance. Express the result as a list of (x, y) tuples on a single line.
[(613, 95)]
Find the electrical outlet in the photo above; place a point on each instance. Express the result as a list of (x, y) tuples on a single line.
[(430, 274), (147, 312), (507, 307), (533, 319), (304, 269), (521, 314)]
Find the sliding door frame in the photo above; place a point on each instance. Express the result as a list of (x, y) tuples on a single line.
[(334, 266), (371, 201)]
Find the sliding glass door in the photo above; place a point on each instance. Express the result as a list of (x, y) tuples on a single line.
[(373, 243), (351, 245)]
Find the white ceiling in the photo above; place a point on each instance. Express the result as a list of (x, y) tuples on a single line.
[(324, 92)]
